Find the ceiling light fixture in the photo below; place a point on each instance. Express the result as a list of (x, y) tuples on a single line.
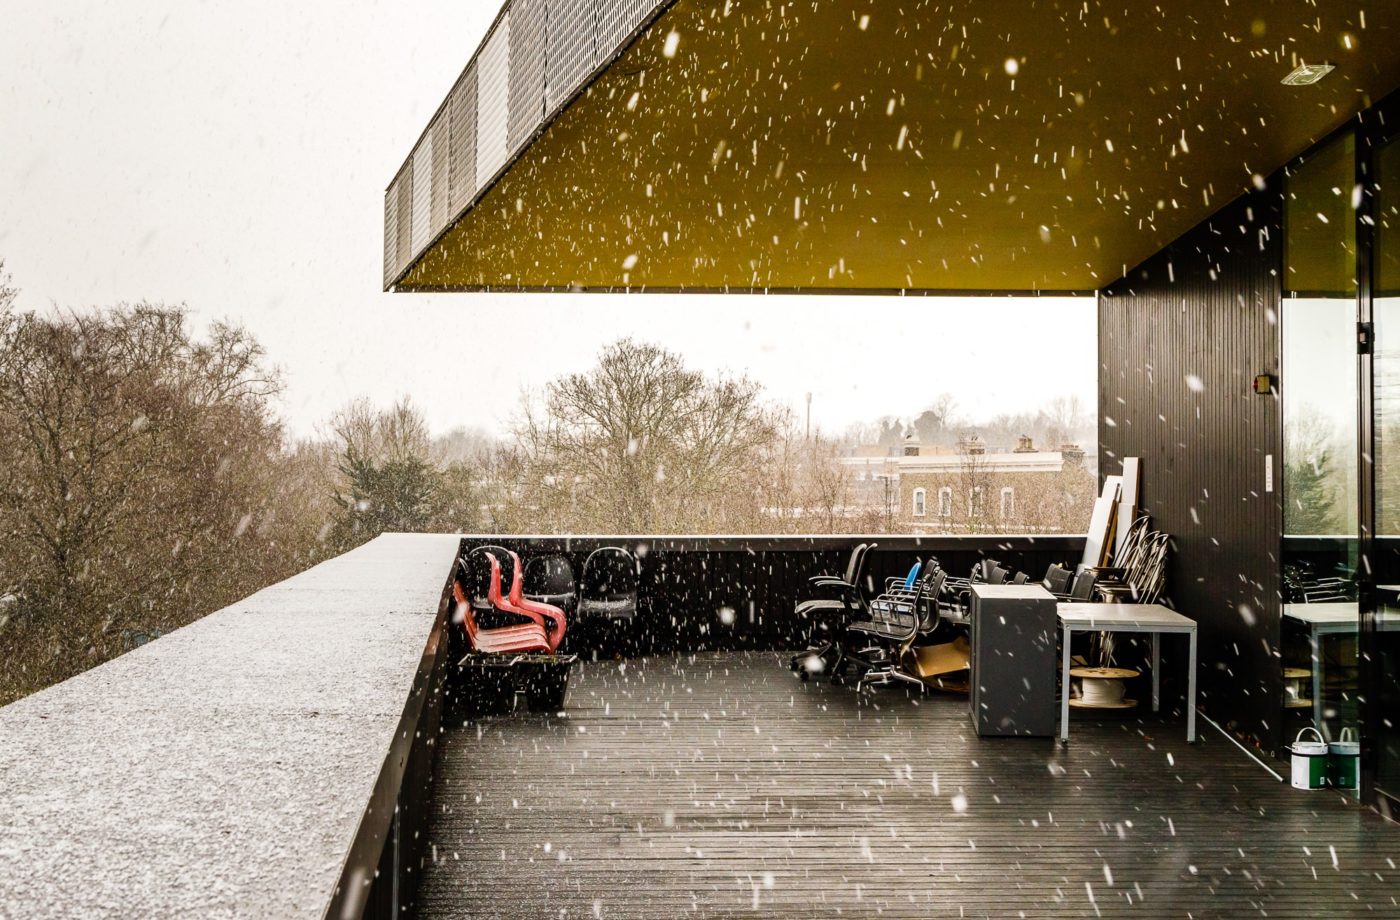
[(1307, 74)]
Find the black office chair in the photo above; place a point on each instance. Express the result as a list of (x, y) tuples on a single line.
[(901, 620), (955, 596), (826, 616)]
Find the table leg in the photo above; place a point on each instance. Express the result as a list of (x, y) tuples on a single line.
[(1156, 672), (1316, 642), (1191, 694), (1064, 688)]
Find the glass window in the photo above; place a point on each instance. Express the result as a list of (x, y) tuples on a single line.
[(1318, 365), (1386, 307), (1008, 502), (919, 503)]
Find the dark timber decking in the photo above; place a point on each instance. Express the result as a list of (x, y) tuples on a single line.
[(718, 785)]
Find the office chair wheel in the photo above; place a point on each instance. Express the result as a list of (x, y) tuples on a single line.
[(802, 675), (836, 680)]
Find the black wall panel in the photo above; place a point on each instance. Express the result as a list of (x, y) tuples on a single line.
[(1181, 338)]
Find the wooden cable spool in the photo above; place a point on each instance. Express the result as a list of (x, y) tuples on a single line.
[(1102, 688), (1294, 688)]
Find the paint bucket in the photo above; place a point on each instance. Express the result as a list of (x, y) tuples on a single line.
[(1344, 760), (1309, 761)]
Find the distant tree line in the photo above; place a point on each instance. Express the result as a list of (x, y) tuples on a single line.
[(146, 479)]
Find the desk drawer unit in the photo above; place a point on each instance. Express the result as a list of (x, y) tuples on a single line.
[(1013, 660)]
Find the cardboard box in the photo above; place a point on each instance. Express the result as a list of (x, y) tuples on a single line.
[(932, 661)]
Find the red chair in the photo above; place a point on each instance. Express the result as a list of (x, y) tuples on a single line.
[(537, 611), (522, 638)]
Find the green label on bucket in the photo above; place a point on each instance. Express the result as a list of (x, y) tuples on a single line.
[(1342, 770)]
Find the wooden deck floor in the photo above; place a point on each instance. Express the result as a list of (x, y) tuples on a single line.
[(719, 786)]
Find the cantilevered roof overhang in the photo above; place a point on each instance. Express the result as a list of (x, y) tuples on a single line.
[(960, 145)]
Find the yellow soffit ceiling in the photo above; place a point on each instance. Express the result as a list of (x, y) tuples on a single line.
[(972, 145)]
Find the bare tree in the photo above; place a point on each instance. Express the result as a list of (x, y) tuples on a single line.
[(643, 444), (138, 482)]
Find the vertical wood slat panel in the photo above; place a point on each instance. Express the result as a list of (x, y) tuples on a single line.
[(1180, 341)]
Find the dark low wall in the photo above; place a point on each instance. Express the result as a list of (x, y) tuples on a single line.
[(380, 875), (686, 582)]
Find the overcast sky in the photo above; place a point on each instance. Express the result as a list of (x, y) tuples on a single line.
[(233, 156)]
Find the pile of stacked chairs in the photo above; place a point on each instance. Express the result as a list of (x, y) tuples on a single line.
[(512, 642), (853, 626)]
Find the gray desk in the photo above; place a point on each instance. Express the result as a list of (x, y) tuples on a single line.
[(1140, 618)]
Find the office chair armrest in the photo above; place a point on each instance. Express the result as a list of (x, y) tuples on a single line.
[(829, 581)]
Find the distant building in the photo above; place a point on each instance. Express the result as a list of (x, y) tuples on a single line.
[(971, 489)]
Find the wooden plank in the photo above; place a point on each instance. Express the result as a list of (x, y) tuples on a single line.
[(718, 785)]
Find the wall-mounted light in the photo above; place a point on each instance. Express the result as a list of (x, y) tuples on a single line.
[(1307, 74), (1264, 384)]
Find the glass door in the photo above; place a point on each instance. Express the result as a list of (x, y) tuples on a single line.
[(1382, 634), (1319, 389)]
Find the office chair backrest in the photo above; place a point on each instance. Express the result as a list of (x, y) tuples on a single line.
[(1019, 579), (853, 563), (928, 598), (1083, 588), (862, 565), (997, 577), (1057, 579)]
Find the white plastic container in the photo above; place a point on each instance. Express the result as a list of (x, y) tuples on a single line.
[(1344, 760), (1309, 761)]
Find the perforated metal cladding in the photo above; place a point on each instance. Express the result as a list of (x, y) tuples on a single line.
[(527, 56), (617, 20), (422, 193), (404, 240), (492, 102), (391, 232), (461, 109), (571, 48), (438, 191), (538, 54)]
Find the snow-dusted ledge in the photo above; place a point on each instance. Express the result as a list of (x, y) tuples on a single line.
[(225, 768)]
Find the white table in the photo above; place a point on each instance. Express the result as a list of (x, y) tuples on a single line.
[(1140, 618)]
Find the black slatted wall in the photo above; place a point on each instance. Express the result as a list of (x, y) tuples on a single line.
[(1181, 339)]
